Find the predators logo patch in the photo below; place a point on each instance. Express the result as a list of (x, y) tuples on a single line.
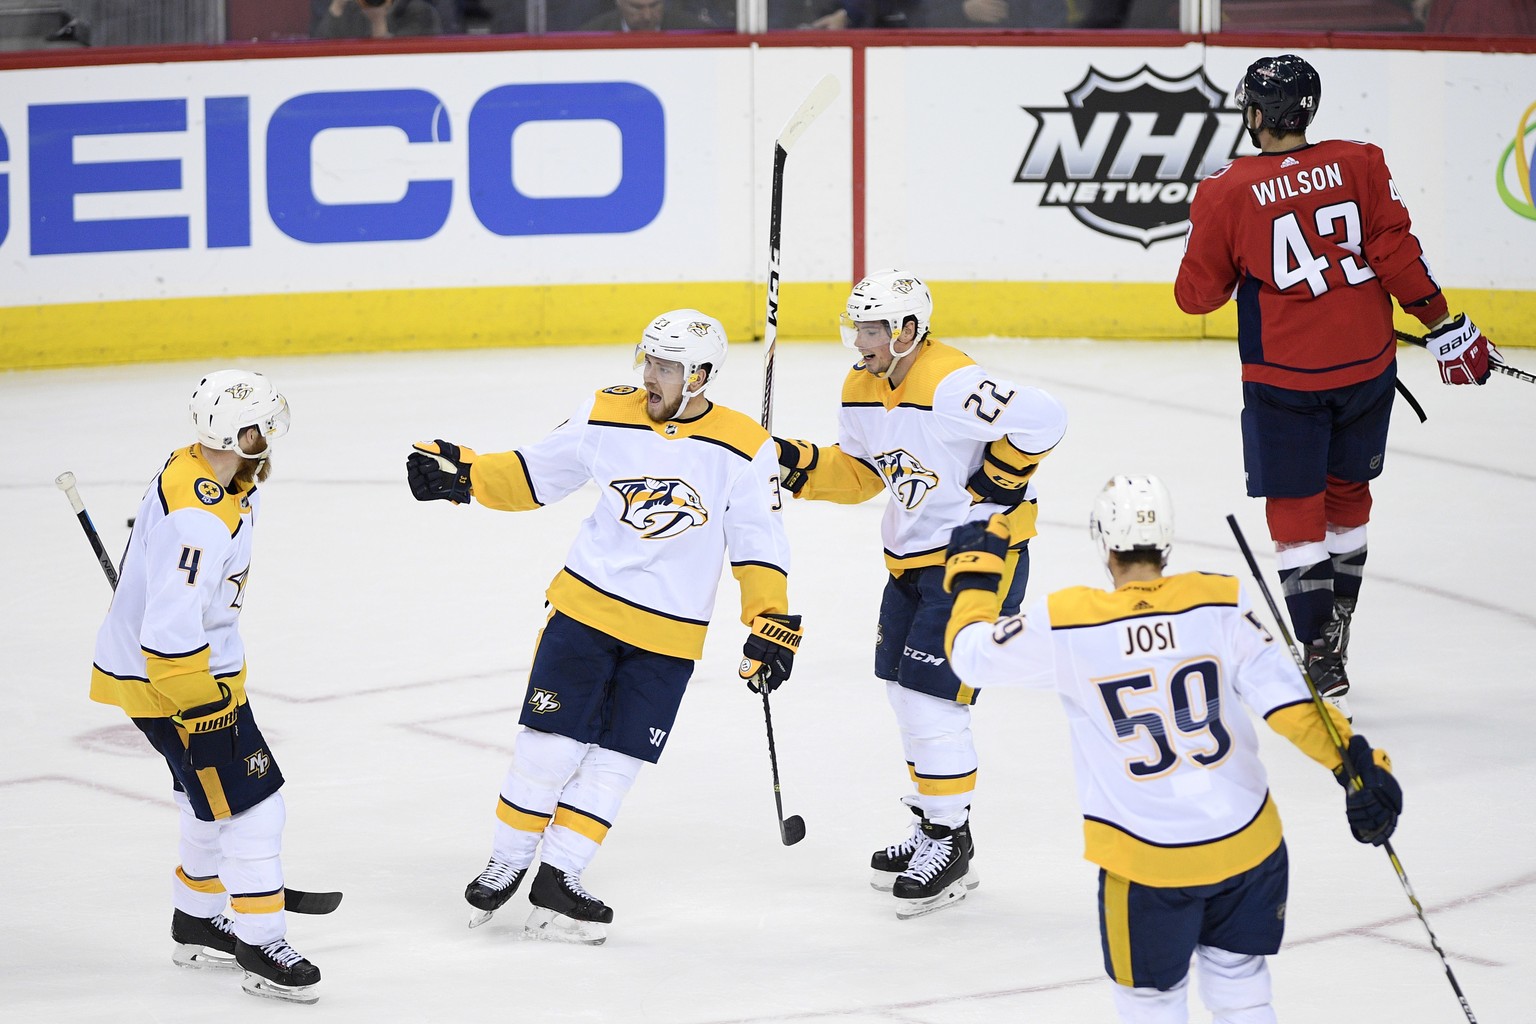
[(208, 491), (660, 508), (908, 480), (239, 392)]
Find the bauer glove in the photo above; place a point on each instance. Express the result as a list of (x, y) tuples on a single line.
[(977, 555), (212, 733), (1461, 350), (439, 470), (1004, 473), (769, 652), (1374, 807), (796, 460)]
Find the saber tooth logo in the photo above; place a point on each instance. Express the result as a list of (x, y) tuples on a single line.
[(1125, 154)]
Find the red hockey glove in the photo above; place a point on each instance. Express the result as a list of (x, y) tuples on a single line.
[(1461, 350)]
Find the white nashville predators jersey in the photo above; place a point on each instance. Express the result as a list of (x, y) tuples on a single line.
[(173, 626), (1152, 676), (673, 499), (925, 437)]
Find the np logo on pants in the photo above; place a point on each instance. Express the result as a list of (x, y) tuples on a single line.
[(543, 702), (257, 764)]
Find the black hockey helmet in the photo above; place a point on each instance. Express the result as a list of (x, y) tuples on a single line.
[(1286, 90)]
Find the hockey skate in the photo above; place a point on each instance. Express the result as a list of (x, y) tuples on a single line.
[(1325, 667), (886, 864), (939, 874), (203, 942), (565, 912), (490, 889), (277, 971)]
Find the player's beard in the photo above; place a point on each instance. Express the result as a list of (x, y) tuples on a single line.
[(666, 411), (252, 471)]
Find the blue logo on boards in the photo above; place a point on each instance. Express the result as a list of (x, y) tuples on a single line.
[(57, 177)]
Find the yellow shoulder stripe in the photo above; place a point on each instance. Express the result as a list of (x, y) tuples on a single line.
[(625, 406), (1170, 595), (188, 481)]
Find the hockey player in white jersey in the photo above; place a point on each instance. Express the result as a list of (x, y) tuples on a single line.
[(950, 442), (171, 656), (681, 483), (1176, 806)]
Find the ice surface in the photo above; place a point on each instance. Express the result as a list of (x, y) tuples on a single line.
[(389, 643)]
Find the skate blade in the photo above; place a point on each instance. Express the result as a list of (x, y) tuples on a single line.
[(479, 917), (202, 958), (882, 881), (548, 926), (952, 894), (256, 985), (1341, 705)]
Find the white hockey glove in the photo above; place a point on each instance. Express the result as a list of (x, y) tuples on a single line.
[(1461, 350)]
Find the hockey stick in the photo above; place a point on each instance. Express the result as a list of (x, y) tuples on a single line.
[(1496, 363), (818, 100), (294, 900), (792, 828), (65, 482), (1354, 777)]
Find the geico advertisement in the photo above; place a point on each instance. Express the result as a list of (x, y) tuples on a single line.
[(1080, 164), (397, 171)]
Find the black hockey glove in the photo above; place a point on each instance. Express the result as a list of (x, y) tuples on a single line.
[(977, 555), (212, 735), (796, 460), (1373, 809), (769, 652), (439, 470), (1004, 473)]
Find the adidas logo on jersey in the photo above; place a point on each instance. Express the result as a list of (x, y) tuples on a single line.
[(1289, 161), (1141, 606)]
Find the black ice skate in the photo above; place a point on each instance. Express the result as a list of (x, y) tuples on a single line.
[(891, 861), (277, 971), (490, 889), (1325, 666), (564, 911), (939, 873), (203, 941)]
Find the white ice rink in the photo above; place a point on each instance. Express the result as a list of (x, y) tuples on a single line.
[(389, 644)]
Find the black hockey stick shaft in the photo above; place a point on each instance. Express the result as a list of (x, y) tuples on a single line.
[(1338, 742), (792, 828), (1495, 363), (771, 321), (65, 482)]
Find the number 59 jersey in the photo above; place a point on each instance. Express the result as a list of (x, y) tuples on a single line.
[(1314, 244), (1152, 676)]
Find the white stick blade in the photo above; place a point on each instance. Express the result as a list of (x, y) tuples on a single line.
[(819, 99)]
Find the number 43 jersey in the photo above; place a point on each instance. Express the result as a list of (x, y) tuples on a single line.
[(1313, 244), (1152, 676)]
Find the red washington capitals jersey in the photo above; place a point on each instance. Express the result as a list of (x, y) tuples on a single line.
[(1314, 244)]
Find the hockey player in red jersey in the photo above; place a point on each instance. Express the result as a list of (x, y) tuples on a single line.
[(1314, 242)]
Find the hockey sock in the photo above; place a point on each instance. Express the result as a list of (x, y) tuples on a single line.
[(252, 842), (1234, 987), (195, 887), (1346, 549), (542, 765), (588, 806), (1150, 1006), (1306, 578), (941, 752)]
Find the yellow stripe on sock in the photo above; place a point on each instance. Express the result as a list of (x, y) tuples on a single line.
[(945, 786), (210, 885), (581, 823), (260, 903), (516, 817)]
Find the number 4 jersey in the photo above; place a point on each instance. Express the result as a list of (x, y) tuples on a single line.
[(1313, 244), (1152, 676)]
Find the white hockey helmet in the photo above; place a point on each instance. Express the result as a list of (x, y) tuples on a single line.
[(689, 337), (1132, 513), (889, 296), (227, 401)]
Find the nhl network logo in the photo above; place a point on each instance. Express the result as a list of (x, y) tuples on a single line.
[(1125, 154)]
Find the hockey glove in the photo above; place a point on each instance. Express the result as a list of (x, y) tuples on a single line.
[(1373, 809), (1004, 473), (1461, 351), (212, 735), (439, 470), (976, 555), (769, 652), (796, 460)]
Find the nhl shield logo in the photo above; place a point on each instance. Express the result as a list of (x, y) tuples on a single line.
[(908, 480), (660, 508), (1125, 154)]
